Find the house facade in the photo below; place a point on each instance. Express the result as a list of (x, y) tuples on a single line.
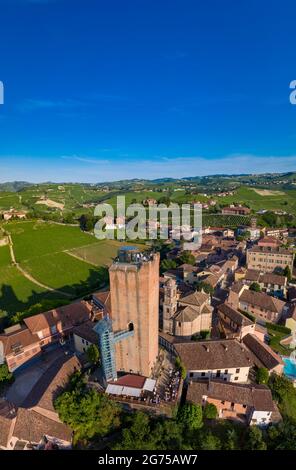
[(227, 360), (267, 259), (21, 343), (250, 404), (186, 315)]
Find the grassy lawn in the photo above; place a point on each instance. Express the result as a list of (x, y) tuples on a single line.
[(269, 202), (5, 259), (17, 293), (35, 239), (8, 200), (39, 248), (63, 272), (101, 253), (275, 338)]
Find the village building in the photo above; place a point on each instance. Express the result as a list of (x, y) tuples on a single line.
[(259, 304), (291, 320), (269, 242), (131, 385), (14, 214), (149, 202), (277, 232), (236, 210), (226, 359), (245, 403), (185, 315), (22, 429), (35, 424), (268, 259), (21, 343), (263, 306), (84, 336), (232, 323), (270, 283), (262, 355)]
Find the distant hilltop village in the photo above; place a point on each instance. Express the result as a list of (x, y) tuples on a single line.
[(202, 327)]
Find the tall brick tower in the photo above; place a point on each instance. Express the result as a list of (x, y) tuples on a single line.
[(170, 305), (134, 287)]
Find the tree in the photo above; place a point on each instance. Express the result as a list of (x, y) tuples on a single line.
[(282, 436), (93, 354), (255, 287), (207, 288), (231, 441), (287, 273), (284, 393), (6, 377), (190, 415), (167, 264), (255, 439), (69, 218), (90, 414), (138, 436), (262, 375), (143, 432), (207, 441), (210, 411), (164, 200), (87, 222), (180, 366), (187, 258)]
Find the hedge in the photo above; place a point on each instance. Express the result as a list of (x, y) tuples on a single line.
[(248, 315), (279, 328)]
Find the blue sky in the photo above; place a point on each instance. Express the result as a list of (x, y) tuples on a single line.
[(102, 90)]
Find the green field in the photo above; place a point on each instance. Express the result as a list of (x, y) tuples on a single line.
[(16, 292), (64, 272), (217, 220), (99, 255), (284, 200), (35, 239), (49, 253), (74, 196), (5, 259)]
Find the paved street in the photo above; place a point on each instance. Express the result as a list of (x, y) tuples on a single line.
[(27, 378)]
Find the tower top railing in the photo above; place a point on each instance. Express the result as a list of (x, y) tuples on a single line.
[(133, 255)]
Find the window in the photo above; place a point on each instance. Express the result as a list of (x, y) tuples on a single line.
[(131, 327), (226, 371), (191, 374), (235, 378), (203, 374), (237, 371), (82, 341), (218, 373)]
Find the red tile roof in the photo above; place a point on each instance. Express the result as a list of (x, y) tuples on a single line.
[(19, 338), (130, 380), (67, 316), (51, 383)]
